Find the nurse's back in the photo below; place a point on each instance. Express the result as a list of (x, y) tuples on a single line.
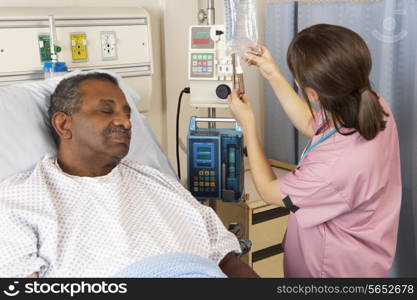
[(374, 190), (348, 187), (347, 228)]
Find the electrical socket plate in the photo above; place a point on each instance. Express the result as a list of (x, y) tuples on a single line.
[(79, 46), (108, 45)]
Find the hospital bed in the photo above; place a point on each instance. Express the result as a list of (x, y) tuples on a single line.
[(26, 134)]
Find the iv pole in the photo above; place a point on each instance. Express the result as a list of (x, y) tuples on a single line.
[(211, 20)]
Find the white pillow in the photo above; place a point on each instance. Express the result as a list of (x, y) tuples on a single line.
[(26, 136)]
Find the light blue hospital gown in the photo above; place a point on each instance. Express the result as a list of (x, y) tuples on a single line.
[(68, 226)]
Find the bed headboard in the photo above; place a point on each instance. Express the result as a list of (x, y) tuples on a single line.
[(123, 31)]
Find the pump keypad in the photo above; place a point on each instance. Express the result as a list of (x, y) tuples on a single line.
[(202, 65), (205, 181)]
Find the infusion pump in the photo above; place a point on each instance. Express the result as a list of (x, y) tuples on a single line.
[(211, 69), (215, 161)]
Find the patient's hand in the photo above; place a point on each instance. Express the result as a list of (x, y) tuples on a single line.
[(233, 267), (33, 275)]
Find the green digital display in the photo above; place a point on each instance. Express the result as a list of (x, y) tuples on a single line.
[(203, 149), (204, 156), (202, 35)]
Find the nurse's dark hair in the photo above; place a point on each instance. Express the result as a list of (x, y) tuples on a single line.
[(67, 98), (336, 63)]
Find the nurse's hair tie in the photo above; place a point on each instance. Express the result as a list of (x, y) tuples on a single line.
[(359, 91), (363, 90)]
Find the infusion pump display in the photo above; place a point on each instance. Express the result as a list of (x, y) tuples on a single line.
[(210, 66), (203, 51), (200, 38)]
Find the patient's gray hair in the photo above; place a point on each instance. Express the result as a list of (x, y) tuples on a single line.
[(67, 98)]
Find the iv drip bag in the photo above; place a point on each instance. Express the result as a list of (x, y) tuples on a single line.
[(241, 28)]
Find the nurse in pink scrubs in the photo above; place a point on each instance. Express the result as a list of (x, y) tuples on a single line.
[(345, 194)]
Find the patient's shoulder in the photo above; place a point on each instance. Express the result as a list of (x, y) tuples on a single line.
[(16, 180), (26, 177), (144, 169)]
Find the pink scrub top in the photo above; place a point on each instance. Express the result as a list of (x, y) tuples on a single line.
[(345, 201)]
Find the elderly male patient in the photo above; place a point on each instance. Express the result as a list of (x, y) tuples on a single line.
[(87, 213)]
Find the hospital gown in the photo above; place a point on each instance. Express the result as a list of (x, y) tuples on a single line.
[(67, 226)]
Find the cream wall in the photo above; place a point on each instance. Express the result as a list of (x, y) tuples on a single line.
[(170, 22)]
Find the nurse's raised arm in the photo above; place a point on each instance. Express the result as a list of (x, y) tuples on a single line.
[(296, 108), (264, 178)]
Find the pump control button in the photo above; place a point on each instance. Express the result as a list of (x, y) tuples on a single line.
[(223, 91)]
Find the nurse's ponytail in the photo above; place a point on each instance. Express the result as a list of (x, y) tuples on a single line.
[(371, 115), (336, 63)]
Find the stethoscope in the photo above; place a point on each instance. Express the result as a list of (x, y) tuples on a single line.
[(311, 147)]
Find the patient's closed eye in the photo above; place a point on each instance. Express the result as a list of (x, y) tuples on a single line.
[(107, 109)]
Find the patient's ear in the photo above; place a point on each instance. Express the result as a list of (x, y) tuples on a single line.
[(62, 125)]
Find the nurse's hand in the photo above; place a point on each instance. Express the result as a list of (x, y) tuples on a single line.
[(242, 110), (260, 56)]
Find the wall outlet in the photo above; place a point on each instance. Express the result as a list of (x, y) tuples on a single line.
[(79, 46), (108, 45)]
